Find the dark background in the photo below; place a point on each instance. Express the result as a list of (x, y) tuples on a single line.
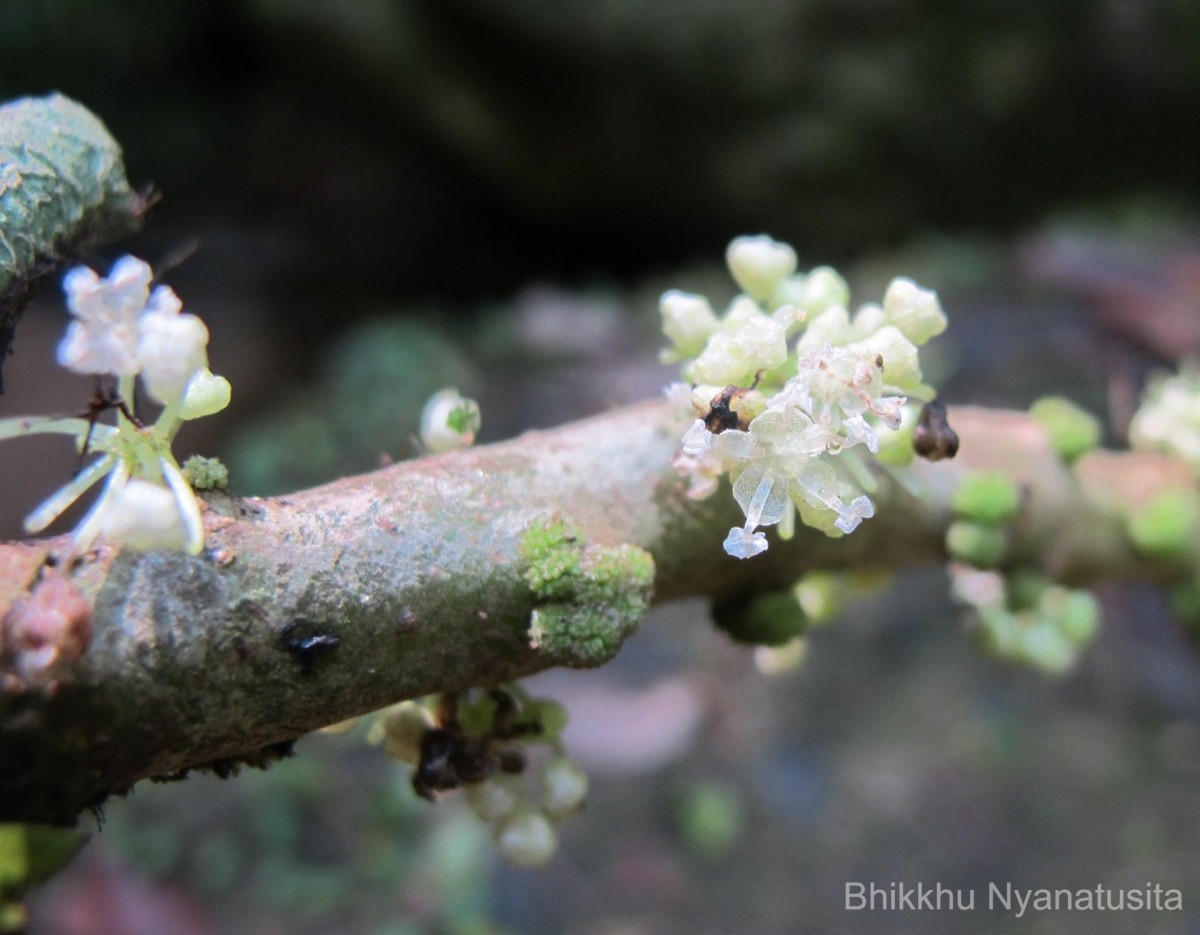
[(369, 200)]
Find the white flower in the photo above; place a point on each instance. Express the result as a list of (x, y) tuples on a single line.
[(1169, 417), (145, 517), (123, 329), (783, 464), (449, 421), (172, 347), (103, 338), (564, 787)]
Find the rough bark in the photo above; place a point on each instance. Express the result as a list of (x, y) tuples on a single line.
[(310, 608)]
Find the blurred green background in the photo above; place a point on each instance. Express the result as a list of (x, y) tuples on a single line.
[(369, 200)]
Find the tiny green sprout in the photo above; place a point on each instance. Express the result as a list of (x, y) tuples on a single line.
[(1073, 431), (1166, 527), (987, 497), (765, 619), (206, 473), (977, 544)]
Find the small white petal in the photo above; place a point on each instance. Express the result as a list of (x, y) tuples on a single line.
[(860, 508), (697, 440), (145, 517), (742, 543)]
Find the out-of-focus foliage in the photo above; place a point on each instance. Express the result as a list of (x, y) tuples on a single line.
[(364, 407), (601, 135)]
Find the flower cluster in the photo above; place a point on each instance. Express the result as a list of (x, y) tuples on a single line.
[(482, 745), (124, 330), (787, 379), (1169, 417)]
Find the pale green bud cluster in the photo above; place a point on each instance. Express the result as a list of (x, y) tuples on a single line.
[(474, 743), (125, 331), (1026, 618), (787, 379)]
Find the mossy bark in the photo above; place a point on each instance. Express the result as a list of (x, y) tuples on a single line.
[(310, 608)]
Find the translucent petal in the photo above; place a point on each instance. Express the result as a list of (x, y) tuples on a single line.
[(762, 495), (741, 543), (817, 485)]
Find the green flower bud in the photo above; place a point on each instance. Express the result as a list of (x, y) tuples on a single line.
[(915, 311), (1073, 431), (758, 264), (564, 787), (987, 497), (689, 321), (403, 727), (1044, 645), (771, 619), (1166, 527), (550, 714), (975, 544), (206, 393), (823, 287), (495, 798), (527, 838), (819, 594), (1075, 613)]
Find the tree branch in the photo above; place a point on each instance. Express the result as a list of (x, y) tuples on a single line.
[(310, 608)]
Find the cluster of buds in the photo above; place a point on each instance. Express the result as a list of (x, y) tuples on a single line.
[(124, 330), (786, 380), (482, 744), (1027, 618)]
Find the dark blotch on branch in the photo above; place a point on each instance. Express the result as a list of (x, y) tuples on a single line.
[(308, 642)]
